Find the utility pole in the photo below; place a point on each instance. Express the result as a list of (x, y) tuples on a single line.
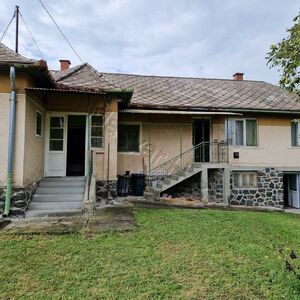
[(17, 28)]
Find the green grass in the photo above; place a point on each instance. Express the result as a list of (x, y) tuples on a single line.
[(174, 254)]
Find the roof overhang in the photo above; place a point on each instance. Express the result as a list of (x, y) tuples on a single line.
[(178, 112), (59, 90)]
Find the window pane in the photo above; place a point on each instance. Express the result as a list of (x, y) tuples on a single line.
[(97, 120), (56, 145), (294, 127), (128, 138), (251, 133), (56, 133), (38, 124), (229, 131), (96, 131), (57, 122), (236, 179), (96, 142), (239, 133)]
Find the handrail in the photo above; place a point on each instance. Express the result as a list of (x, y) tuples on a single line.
[(202, 152)]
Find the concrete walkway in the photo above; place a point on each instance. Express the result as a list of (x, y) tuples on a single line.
[(108, 218)]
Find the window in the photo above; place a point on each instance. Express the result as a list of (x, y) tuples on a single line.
[(38, 124), (244, 179), (293, 182), (242, 132), (96, 131), (56, 134), (128, 138), (295, 134)]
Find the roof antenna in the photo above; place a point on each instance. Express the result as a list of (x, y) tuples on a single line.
[(17, 28)]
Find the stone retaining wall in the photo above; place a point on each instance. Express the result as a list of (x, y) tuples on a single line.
[(269, 191), (20, 199), (101, 191)]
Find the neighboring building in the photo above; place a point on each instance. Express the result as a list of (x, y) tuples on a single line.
[(227, 141)]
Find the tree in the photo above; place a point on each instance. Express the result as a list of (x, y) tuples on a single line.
[(286, 56)]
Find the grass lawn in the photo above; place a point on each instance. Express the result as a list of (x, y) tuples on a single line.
[(175, 254)]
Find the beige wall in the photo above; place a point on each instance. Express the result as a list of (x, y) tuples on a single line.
[(19, 138), (34, 145), (274, 145), (163, 133)]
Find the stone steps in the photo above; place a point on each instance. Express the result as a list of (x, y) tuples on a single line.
[(57, 197)]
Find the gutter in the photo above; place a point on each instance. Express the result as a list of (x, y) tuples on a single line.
[(12, 116)]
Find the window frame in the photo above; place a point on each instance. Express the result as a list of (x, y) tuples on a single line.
[(233, 137), (243, 173), (90, 129), (140, 138), (36, 127)]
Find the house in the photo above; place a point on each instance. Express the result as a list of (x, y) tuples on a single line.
[(234, 142)]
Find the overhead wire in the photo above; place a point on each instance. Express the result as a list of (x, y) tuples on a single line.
[(5, 31)]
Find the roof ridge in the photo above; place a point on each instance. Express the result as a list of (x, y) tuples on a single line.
[(181, 77), (71, 72)]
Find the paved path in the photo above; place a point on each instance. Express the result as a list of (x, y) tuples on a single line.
[(108, 218)]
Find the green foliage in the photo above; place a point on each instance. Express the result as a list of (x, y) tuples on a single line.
[(286, 56), (172, 254)]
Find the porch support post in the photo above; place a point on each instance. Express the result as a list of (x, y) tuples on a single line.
[(226, 185), (204, 184)]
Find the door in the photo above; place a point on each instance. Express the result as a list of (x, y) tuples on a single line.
[(76, 137), (201, 137), (293, 190), (55, 154)]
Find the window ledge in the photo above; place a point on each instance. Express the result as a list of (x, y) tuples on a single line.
[(129, 153), (246, 147)]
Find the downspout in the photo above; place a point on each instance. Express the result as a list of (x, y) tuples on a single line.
[(12, 116)]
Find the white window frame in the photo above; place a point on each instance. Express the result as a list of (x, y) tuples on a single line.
[(242, 174), (103, 133), (244, 132), (140, 138), (41, 114)]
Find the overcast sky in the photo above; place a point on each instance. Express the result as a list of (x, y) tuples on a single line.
[(195, 38)]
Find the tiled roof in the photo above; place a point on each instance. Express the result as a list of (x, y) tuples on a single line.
[(83, 77), (206, 94), (8, 56)]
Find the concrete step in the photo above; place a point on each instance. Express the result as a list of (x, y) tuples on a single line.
[(67, 179), (58, 198), (59, 190), (52, 213), (62, 183), (54, 205)]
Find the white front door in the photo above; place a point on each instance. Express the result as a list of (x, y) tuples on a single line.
[(294, 190), (55, 154)]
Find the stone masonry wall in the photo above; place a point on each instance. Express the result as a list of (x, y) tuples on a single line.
[(101, 191), (20, 199), (215, 185), (269, 191)]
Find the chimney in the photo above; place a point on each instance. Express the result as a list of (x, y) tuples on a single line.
[(238, 76), (64, 64)]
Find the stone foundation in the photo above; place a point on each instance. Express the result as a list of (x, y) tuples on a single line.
[(269, 191), (215, 185), (20, 199), (101, 191)]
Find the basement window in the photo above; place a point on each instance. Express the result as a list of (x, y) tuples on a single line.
[(97, 131), (244, 180), (38, 124), (128, 138)]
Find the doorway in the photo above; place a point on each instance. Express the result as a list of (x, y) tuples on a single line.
[(76, 138), (201, 137), (292, 190)]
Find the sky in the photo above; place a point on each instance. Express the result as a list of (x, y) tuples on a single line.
[(190, 38)]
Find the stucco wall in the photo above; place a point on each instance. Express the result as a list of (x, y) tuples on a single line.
[(163, 134), (274, 145), (34, 145), (19, 138)]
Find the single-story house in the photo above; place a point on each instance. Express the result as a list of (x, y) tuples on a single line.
[(234, 142)]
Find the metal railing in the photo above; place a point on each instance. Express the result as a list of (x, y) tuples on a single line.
[(205, 152)]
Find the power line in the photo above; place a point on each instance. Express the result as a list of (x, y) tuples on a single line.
[(64, 36), (5, 31), (34, 40)]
